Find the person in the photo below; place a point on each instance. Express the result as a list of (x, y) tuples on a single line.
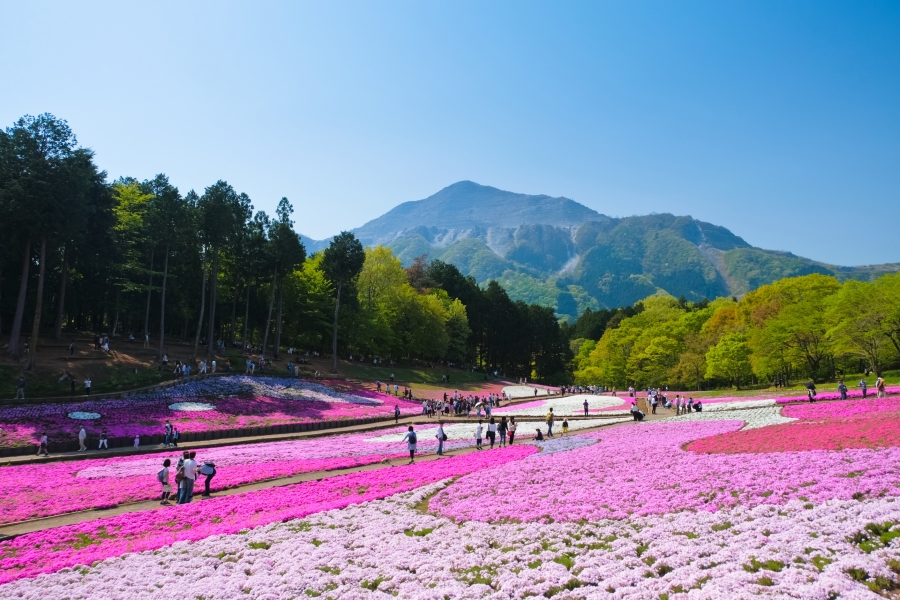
[(440, 438), (137, 440), (202, 368), (492, 431), (82, 437), (512, 430), (186, 493), (565, 426), (209, 470), (478, 432), (213, 366), (168, 439), (103, 440), (864, 386), (678, 404), (165, 360), (72, 348), (502, 428), (585, 404), (72, 382), (163, 478), (20, 388), (539, 437), (396, 414), (653, 402), (842, 389), (698, 406), (146, 340), (550, 423), (42, 445), (811, 391), (87, 385), (879, 388), (634, 411), (175, 436), (410, 439)]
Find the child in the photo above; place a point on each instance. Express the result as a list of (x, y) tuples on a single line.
[(163, 477), (137, 440), (478, 436), (565, 426)]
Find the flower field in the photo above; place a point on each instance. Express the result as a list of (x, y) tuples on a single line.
[(772, 501), (216, 403)]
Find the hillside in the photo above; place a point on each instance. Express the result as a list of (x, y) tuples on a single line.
[(559, 253)]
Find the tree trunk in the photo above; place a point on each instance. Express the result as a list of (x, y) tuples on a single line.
[(234, 299), (269, 318), (277, 350), (246, 318), (38, 304), (200, 321), (211, 330), (20, 304), (149, 290), (337, 306), (61, 301), (115, 323), (162, 308)]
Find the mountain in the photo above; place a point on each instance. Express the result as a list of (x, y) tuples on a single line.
[(557, 252)]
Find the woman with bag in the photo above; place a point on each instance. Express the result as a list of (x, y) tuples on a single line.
[(512, 430)]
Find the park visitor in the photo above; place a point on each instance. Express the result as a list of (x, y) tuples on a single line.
[(103, 440), (864, 386), (42, 445), (209, 471), (163, 478), (87, 386), (842, 389), (492, 431), (550, 420), (410, 438), (879, 388), (565, 426), (585, 404), (512, 430), (168, 438), (539, 437), (20, 388), (137, 440), (396, 414), (186, 493), (82, 437), (478, 436), (441, 437), (502, 428)]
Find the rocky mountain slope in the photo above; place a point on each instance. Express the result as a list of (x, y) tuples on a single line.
[(560, 253)]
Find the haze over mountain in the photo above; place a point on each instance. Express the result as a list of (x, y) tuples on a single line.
[(560, 253)]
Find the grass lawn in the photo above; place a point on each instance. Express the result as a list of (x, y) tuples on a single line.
[(408, 375)]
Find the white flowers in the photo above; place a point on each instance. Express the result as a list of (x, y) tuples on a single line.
[(84, 416), (753, 417), (192, 406)]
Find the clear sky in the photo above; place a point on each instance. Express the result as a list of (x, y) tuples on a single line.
[(779, 120)]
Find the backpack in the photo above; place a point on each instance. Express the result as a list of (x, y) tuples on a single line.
[(161, 476), (179, 476), (412, 437)]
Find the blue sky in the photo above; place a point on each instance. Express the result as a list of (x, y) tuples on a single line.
[(779, 120)]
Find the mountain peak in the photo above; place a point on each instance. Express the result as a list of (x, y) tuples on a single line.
[(467, 205)]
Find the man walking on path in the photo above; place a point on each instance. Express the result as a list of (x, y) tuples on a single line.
[(550, 423), (72, 348), (396, 414), (20, 388), (42, 448), (440, 438), (168, 434), (103, 441), (842, 389), (585, 408), (82, 436), (87, 385), (864, 386)]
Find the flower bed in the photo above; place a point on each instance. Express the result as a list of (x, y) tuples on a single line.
[(84, 543), (390, 547), (643, 470), (870, 423), (218, 403)]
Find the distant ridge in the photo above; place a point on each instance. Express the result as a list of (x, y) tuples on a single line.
[(560, 253)]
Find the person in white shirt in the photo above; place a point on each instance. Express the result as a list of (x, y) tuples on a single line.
[(187, 485), (478, 431), (213, 367), (202, 367), (42, 449), (82, 437)]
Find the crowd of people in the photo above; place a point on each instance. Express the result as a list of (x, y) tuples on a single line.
[(459, 405), (187, 470)]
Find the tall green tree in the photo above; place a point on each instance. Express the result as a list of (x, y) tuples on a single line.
[(342, 263)]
